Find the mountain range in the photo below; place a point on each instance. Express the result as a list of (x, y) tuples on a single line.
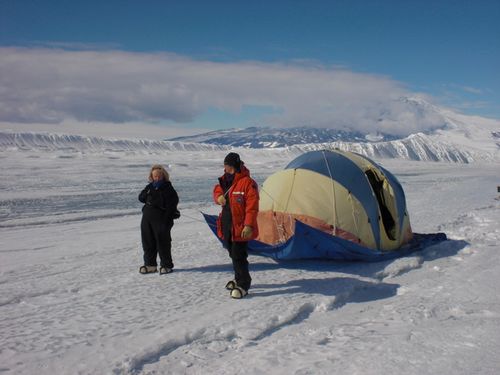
[(456, 138), (460, 138), (419, 114), (268, 137)]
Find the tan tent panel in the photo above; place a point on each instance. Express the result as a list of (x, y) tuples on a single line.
[(285, 197)]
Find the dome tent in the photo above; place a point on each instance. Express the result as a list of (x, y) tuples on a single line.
[(333, 204), (340, 193)]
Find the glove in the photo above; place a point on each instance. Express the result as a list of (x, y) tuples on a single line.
[(247, 232), (221, 200)]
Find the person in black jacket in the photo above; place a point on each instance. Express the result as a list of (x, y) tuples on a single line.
[(160, 208)]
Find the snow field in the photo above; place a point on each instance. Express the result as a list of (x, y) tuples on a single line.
[(72, 300)]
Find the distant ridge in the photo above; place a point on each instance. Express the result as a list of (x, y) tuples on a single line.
[(266, 137), (418, 147), (78, 143)]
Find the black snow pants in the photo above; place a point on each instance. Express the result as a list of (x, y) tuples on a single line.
[(156, 238), (238, 251)]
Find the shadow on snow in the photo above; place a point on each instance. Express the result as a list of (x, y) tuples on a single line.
[(357, 290)]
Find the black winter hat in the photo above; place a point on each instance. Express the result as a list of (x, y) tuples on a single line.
[(233, 160)]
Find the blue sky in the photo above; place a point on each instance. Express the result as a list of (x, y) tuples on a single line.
[(448, 50)]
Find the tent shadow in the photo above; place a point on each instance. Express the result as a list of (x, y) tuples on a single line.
[(348, 289), (345, 289), (444, 249)]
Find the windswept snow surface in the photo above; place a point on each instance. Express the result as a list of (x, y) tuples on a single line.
[(72, 300)]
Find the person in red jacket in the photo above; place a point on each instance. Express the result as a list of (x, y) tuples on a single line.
[(238, 194)]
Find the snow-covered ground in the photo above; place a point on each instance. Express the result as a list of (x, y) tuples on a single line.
[(72, 300)]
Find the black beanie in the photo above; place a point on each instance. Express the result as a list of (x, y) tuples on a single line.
[(233, 160)]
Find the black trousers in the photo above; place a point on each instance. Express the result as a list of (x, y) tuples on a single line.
[(156, 240), (238, 251)]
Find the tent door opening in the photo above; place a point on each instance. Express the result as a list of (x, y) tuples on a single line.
[(387, 218)]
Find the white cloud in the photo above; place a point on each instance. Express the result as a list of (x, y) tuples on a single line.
[(53, 85)]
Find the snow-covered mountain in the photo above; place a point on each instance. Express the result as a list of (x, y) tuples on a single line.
[(458, 138), (76, 143), (267, 137), (418, 147), (429, 117)]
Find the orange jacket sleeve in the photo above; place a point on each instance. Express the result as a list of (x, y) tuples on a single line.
[(217, 192), (252, 204)]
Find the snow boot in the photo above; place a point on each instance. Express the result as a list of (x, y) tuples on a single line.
[(231, 285), (147, 269), (238, 292), (165, 270)]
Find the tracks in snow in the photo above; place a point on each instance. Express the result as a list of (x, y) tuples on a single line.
[(251, 322)]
